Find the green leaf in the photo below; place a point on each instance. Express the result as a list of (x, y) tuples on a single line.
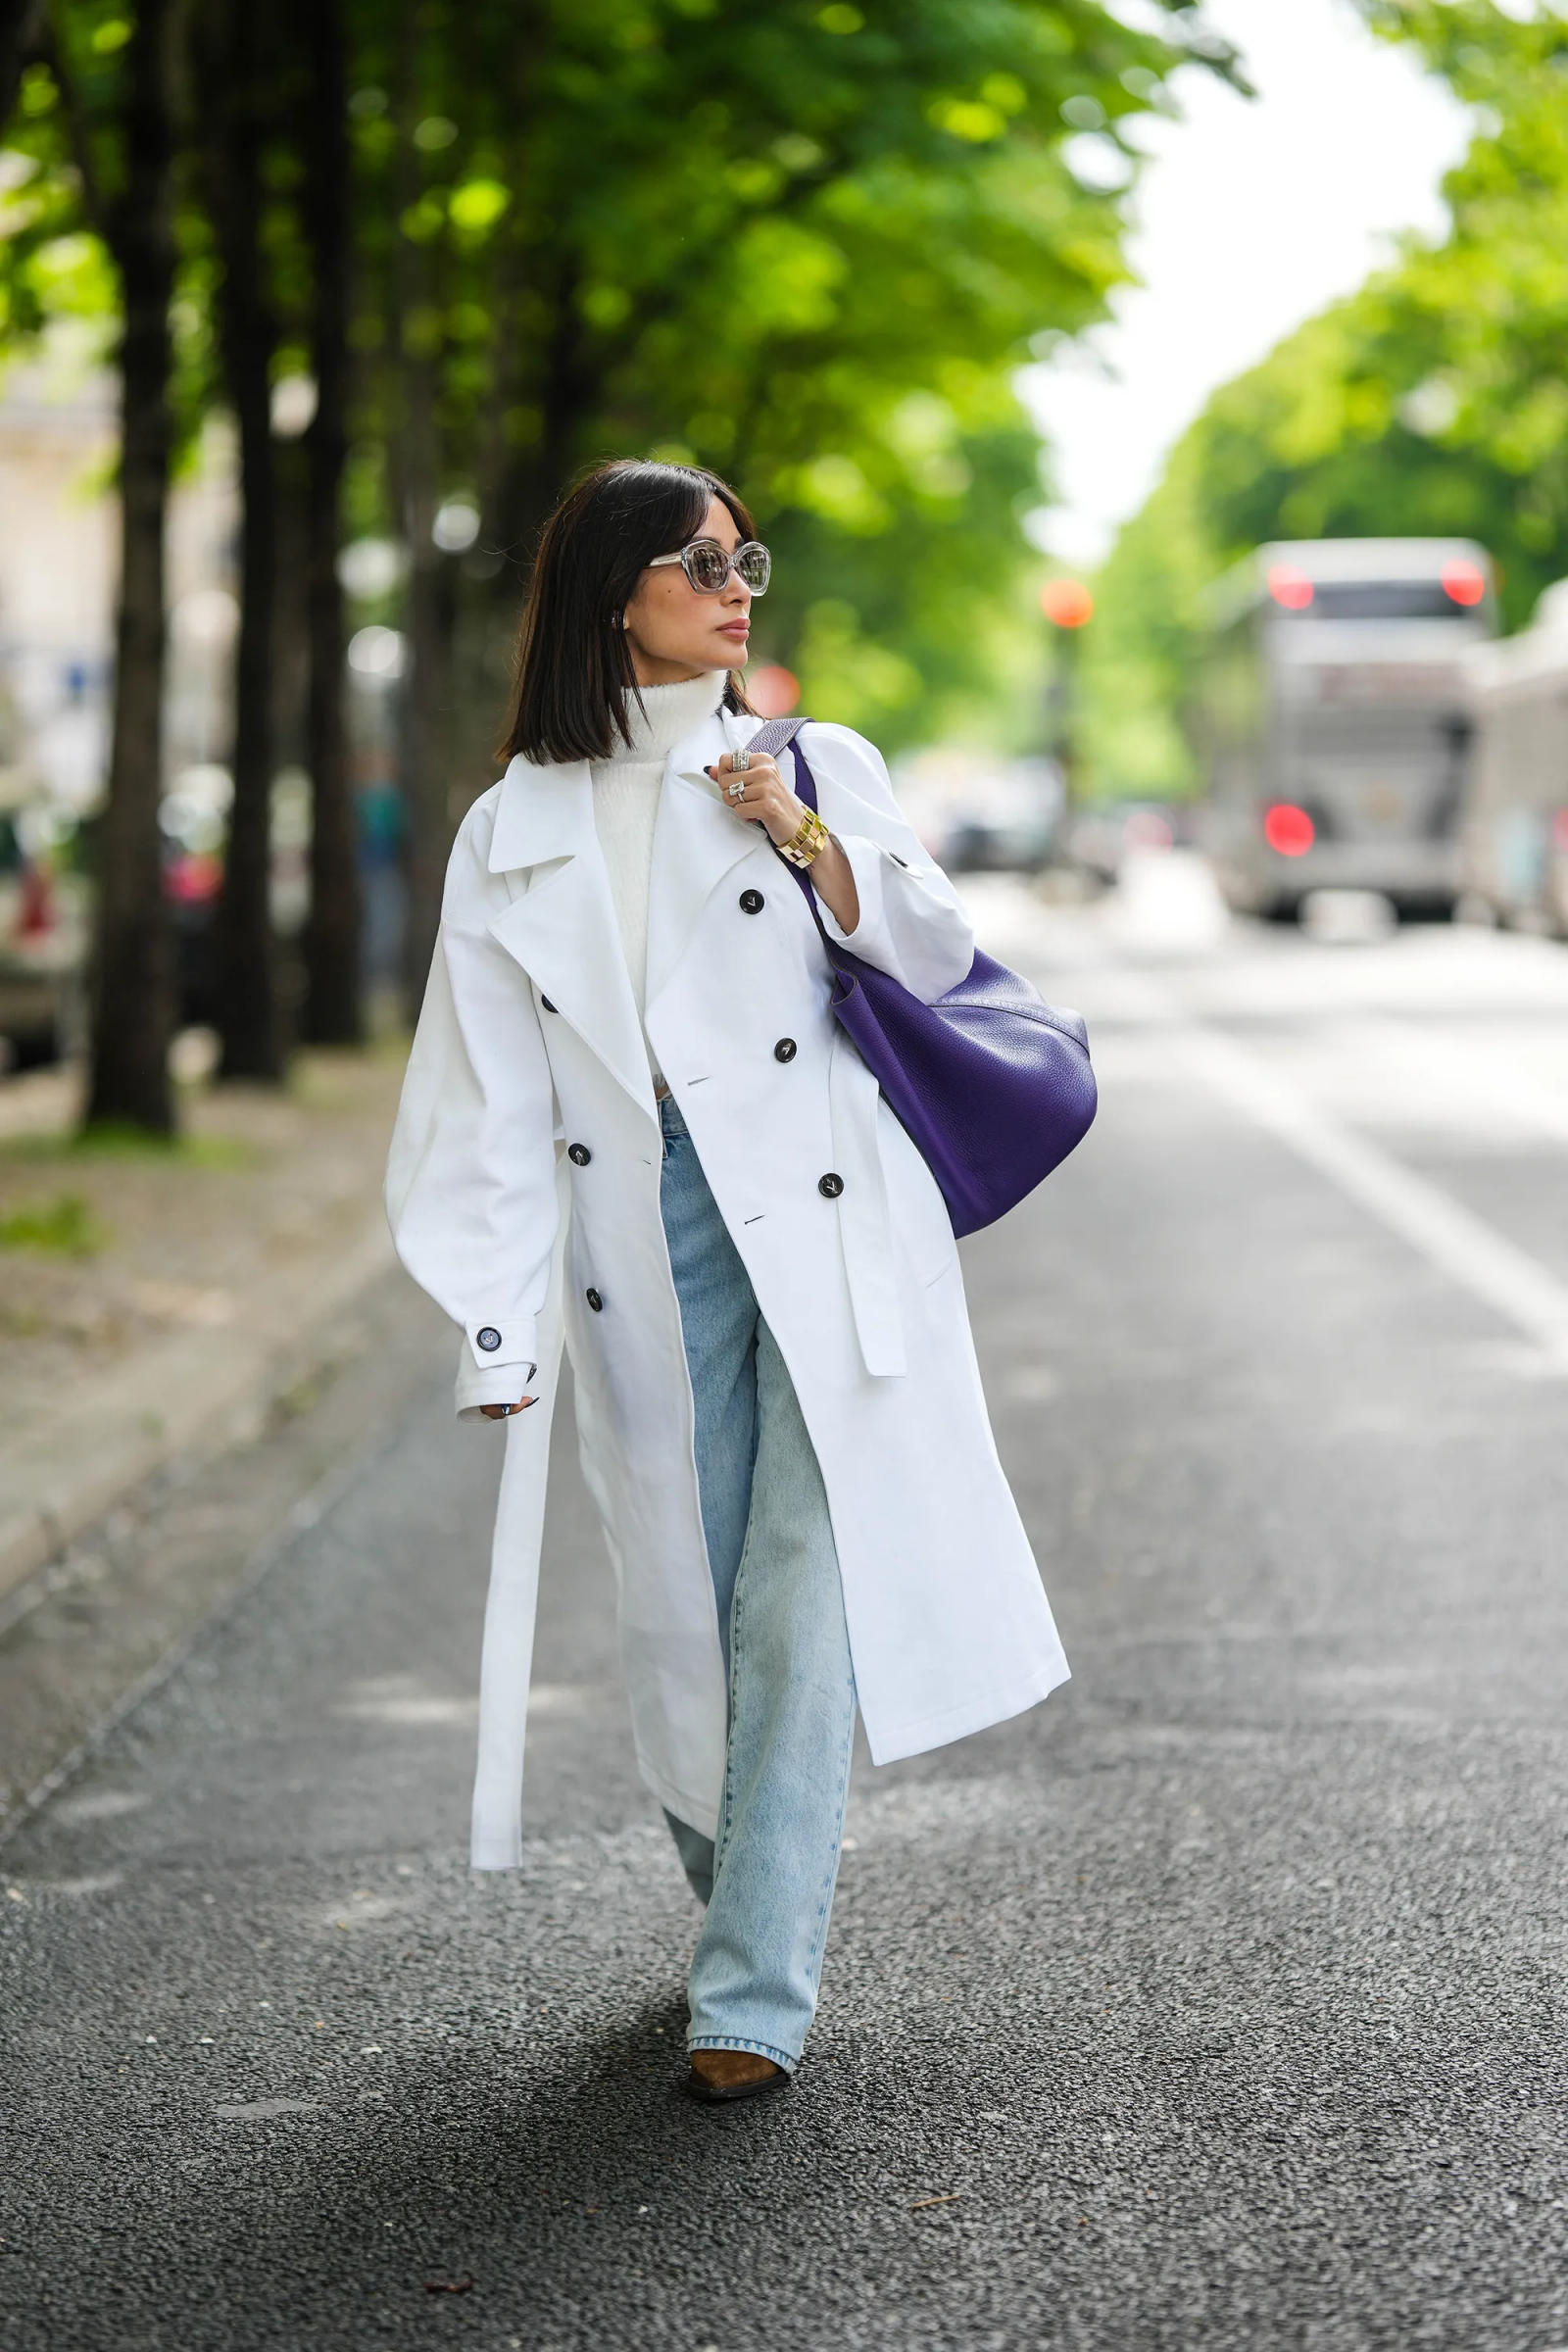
[(477, 205)]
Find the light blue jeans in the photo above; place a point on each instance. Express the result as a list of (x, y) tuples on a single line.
[(768, 1882)]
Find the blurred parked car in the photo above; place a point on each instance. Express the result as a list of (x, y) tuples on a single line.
[(1515, 831), (1099, 837), (46, 895), (43, 933), (979, 814)]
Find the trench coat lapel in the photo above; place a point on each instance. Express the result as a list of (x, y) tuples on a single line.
[(560, 924), (696, 843)]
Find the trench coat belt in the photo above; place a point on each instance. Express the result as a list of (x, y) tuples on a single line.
[(865, 1217), (508, 1654)]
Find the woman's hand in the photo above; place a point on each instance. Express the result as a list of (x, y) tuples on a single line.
[(759, 795), (502, 1412)]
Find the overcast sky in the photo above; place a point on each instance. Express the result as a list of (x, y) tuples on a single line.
[(1252, 215)]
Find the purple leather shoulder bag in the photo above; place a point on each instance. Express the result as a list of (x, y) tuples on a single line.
[(993, 1084)]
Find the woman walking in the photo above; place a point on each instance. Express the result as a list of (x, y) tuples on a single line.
[(631, 1121)]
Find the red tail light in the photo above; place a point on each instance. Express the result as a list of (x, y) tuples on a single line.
[(1290, 587), (1288, 829), (1464, 584)]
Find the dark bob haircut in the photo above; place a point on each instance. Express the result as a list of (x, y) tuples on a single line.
[(574, 666)]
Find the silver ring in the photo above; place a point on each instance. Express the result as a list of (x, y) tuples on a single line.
[(740, 760), (737, 788)]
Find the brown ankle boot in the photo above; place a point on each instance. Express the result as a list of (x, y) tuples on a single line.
[(725, 2074)]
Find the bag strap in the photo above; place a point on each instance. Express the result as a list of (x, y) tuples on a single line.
[(771, 739)]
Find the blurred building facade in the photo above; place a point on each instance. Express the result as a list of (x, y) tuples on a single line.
[(57, 565)]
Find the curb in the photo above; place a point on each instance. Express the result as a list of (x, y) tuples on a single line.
[(185, 1399)]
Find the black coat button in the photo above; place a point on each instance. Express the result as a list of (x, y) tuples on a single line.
[(751, 902), (830, 1186), (594, 1300), (489, 1339), (579, 1154), (786, 1049), (545, 1001)]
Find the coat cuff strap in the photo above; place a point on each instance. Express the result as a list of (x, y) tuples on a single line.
[(500, 1340)]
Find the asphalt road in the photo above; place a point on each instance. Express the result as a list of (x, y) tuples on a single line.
[(1218, 2003)]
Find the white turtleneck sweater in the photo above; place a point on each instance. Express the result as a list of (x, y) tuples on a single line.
[(627, 792)]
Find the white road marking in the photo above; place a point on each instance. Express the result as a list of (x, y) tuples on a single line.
[(1498, 1089), (412, 1708), (260, 2111), (1462, 1245), (1470, 1253)]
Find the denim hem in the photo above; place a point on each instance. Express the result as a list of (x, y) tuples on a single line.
[(788, 2060)]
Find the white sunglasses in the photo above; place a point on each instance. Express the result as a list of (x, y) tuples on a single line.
[(708, 565)]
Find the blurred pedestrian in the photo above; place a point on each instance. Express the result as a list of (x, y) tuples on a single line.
[(630, 1114)]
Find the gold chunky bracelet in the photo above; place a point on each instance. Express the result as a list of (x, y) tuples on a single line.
[(808, 841)]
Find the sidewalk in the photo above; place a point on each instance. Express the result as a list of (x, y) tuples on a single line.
[(153, 1305)]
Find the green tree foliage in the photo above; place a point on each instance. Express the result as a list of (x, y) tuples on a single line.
[(62, 175), (806, 241), (1434, 401), (53, 266)]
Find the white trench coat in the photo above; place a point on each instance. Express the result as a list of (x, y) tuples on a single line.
[(528, 1044)]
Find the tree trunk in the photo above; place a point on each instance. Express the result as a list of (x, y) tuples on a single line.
[(416, 470), (425, 784), (332, 1001), (134, 991), (247, 985), (534, 479), (20, 24)]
